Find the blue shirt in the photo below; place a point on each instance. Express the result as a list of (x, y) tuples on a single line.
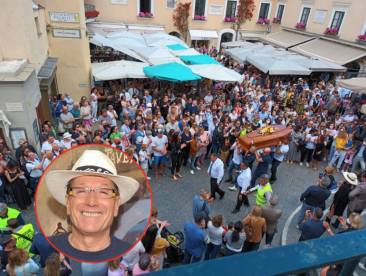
[(194, 239), (40, 246), (311, 229), (199, 208)]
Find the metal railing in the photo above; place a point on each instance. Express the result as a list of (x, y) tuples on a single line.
[(347, 248)]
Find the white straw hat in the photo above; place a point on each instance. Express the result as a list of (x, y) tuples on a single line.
[(351, 178), (91, 162)]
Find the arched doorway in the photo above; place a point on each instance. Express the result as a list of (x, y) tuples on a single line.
[(175, 34), (353, 68), (226, 37)]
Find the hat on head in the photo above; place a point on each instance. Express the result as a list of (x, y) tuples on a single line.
[(92, 163), (3, 207), (351, 178), (66, 135), (266, 176), (160, 130)]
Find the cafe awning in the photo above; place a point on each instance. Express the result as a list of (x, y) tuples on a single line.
[(203, 34), (286, 39)]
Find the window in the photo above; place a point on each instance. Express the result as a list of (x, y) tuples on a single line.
[(145, 6), (264, 10), (280, 10), (305, 15), (170, 4), (231, 8), (199, 9), (38, 28), (337, 20)]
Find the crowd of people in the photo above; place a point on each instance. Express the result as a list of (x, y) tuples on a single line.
[(174, 129)]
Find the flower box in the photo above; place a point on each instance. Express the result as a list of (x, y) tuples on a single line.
[(263, 21), (199, 17), (331, 31), (229, 19), (145, 14), (300, 26), (276, 20), (362, 38)]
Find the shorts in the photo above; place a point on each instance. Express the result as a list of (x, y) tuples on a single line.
[(157, 160)]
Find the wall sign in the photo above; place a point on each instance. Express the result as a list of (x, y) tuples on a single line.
[(119, 2), (16, 134), (14, 107), (216, 9), (319, 16), (66, 33), (66, 17)]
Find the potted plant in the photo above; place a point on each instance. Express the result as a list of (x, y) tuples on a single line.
[(331, 31), (145, 14), (276, 20), (229, 19), (199, 17), (263, 21), (300, 26), (362, 39)]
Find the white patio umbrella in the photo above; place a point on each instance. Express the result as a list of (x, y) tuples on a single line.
[(277, 65), (120, 69), (216, 72), (317, 65), (354, 84), (241, 54)]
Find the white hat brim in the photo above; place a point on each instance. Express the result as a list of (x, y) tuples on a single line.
[(57, 180), (350, 181)]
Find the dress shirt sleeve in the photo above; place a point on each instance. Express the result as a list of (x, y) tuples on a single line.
[(221, 172)]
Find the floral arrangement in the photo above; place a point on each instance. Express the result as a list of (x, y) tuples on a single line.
[(362, 37), (199, 17), (145, 14), (263, 21), (229, 19), (276, 20), (300, 25), (266, 130), (331, 31)]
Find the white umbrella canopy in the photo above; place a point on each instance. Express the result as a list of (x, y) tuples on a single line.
[(317, 65), (156, 55), (186, 52), (216, 72), (120, 69), (235, 44), (241, 54), (277, 65), (354, 84)]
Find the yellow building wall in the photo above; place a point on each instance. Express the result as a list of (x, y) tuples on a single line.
[(353, 23), (19, 37), (163, 15), (73, 68)]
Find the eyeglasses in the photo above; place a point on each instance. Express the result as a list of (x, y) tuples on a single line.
[(83, 192)]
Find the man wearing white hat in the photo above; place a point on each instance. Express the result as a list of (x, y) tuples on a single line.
[(92, 192)]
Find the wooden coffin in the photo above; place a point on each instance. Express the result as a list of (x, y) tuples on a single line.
[(268, 140)]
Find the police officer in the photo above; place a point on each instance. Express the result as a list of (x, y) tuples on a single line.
[(22, 233), (7, 213), (263, 189)]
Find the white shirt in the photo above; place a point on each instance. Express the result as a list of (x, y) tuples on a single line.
[(216, 170), (283, 149), (46, 146), (237, 157), (159, 143), (215, 233), (33, 172), (244, 179)]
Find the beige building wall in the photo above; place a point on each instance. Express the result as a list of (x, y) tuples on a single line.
[(354, 22), (23, 32), (128, 14), (73, 68)]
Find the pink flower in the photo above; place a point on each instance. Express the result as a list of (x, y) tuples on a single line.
[(300, 25), (362, 37), (332, 31), (142, 14)]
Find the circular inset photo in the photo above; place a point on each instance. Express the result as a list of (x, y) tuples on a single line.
[(93, 203)]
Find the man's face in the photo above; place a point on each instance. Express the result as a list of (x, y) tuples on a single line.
[(91, 214)]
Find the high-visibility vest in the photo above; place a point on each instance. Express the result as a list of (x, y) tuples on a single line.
[(12, 214), (27, 231), (261, 198)]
